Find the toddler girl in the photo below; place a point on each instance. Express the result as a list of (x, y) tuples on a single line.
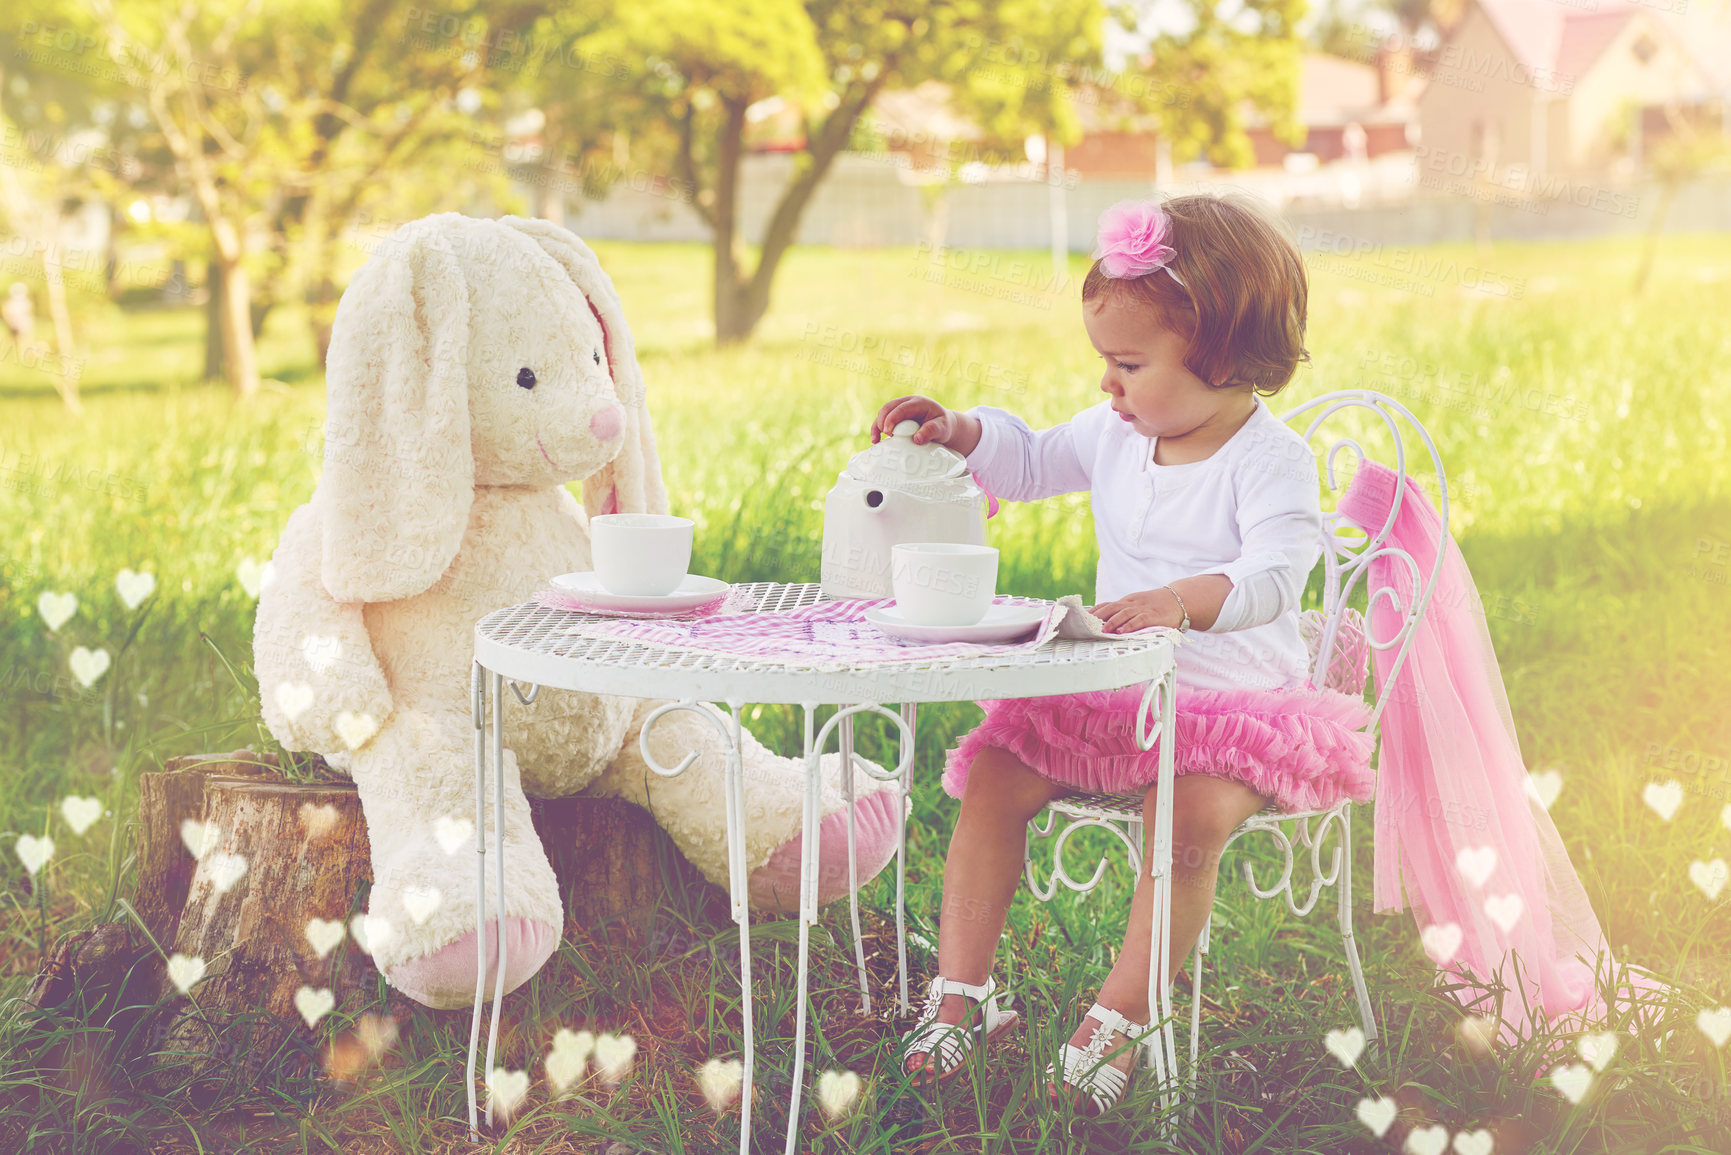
[(1208, 514)]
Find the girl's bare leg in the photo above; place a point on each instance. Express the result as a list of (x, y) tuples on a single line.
[(1205, 812), (982, 870)]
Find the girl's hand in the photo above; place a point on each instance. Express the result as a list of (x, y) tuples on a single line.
[(936, 423), (1138, 611)]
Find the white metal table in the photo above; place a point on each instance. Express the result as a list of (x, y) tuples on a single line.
[(525, 645)]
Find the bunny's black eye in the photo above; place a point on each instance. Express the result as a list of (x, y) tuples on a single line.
[(598, 356), (526, 378)]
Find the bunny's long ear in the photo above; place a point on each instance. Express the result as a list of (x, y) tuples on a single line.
[(399, 472), (631, 482)]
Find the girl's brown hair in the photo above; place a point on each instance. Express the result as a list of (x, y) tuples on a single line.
[(1242, 305)]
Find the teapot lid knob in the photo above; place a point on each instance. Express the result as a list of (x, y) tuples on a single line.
[(896, 460)]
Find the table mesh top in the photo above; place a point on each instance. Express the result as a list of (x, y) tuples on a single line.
[(528, 628)]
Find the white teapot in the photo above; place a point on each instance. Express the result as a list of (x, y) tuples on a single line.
[(894, 492)]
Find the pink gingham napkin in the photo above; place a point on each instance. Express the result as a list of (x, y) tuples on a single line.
[(734, 600), (835, 634)]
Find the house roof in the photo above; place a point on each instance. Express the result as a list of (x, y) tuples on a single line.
[(1531, 29), (1585, 35), (1552, 39)]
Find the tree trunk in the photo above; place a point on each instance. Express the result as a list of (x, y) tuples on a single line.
[(306, 856), (239, 354), (321, 303), (731, 325), (740, 304), (213, 308), (324, 250), (547, 194), (215, 356), (66, 372), (321, 315), (111, 253), (739, 307), (232, 312), (616, 866)]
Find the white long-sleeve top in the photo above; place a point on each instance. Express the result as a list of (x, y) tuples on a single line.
[(1251, 511)]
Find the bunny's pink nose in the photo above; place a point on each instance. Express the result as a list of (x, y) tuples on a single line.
[(606, 424)]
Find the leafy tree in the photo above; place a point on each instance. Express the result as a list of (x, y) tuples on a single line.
[(1230, 63), (284, 122), (578, 112), (1339, 29), (1011, 66), (706, 64), (191, 67), (70, 135), (1693, 147), (830, 59), (372, 101)]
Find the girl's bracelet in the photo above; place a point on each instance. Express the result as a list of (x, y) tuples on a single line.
[(1184, 625)]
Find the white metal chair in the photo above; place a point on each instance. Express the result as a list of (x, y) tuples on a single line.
[(1340, 644)]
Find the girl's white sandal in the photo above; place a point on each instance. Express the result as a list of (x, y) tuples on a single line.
[(950, 1043), (1086, 1068)]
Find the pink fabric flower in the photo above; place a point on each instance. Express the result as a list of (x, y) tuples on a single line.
[(1133, 239)]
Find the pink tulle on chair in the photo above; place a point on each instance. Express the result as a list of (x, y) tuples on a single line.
[(1453, 797)]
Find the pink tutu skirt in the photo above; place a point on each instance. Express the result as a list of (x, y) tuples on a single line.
[(1301, 746)]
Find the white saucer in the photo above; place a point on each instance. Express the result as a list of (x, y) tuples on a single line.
[(1002, 623), (693, 591)]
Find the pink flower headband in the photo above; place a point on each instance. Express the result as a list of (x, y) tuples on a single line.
[(1133, 240)]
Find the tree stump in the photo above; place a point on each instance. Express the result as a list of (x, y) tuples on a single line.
[(615, 866), (278, 865), (277, 855)]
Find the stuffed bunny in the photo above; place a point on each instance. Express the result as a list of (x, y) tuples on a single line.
[(475, 367)]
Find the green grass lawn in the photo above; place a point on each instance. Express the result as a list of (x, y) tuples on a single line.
[(1585, 435)]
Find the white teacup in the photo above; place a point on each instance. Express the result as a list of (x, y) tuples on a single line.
[(941, 583), (643, 554)]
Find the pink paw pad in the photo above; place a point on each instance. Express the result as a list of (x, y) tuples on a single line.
[(774, 886), (445, 979)]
